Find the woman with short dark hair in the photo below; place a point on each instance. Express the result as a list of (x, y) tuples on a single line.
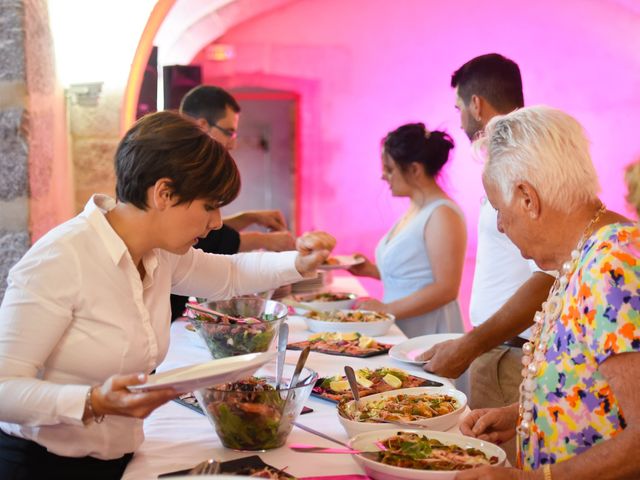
[(87, 313)]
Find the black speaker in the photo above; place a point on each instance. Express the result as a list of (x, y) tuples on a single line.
[(148, 98), (178, 80)]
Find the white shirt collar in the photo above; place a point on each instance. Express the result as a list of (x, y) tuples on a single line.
[(94, 211)]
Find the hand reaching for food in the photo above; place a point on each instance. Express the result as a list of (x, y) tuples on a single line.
[(270, 219), (364, 269), (313, 249), (449, 358), (495, 425), (370, 304)]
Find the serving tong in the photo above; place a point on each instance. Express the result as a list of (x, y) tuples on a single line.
[(304, 448), (196, 307)]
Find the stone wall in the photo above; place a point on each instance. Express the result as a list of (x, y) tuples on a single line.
[(95, 133), (35, 186)]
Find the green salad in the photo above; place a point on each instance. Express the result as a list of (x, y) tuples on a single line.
[(248, 414), (227, 338)]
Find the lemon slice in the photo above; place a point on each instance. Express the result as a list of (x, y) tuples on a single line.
[(363, 381), (365, 342), (392, 380), (350, 336), (339, 386)]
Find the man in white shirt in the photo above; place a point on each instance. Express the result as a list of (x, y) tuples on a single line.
[(507, 289), (86, 312)]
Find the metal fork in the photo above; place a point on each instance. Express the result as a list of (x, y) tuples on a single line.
[(206, 468)]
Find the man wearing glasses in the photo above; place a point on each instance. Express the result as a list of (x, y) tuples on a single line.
[(217, 112)]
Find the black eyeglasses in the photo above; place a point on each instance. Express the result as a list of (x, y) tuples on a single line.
[(229, 132)]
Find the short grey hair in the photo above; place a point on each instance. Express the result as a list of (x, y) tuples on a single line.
[(545, 147)]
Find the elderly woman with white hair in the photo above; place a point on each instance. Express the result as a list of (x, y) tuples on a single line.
[(579, 412)]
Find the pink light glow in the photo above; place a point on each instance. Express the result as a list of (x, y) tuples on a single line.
[(364, 67)]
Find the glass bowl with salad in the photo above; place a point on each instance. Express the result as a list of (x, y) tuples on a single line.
[(255, 414), (247, 325)]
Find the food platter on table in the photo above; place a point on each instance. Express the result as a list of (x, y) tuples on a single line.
[(245, 467), (348, 344), (435, 408), (372, 324), (370, 381), (424, 454), (326, 301)]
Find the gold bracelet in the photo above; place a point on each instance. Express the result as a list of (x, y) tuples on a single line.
[(96, 418), (546, 471)]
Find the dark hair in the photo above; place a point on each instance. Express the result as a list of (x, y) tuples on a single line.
[(413, 143), (208, 102), (168, 145), (492, 77)]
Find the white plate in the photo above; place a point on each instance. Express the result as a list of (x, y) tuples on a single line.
[(369, 329), (408, 350), (380, 471), (326, 305), (345, 261), (223, 370), (440, 423)]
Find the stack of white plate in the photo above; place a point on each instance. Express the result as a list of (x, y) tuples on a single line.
[(310, 285)]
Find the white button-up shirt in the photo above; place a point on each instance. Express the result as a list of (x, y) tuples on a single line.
[(76, 312)]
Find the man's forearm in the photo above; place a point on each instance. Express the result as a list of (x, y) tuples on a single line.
[(515, 316), (239, 221), (250, 241)]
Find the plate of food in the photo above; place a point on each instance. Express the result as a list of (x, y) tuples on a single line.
[(369, 323), (422, 455), (348, 344), (324, 301), (223, 370), (409, 350), (337, 262), (383, 379), (435, 408)]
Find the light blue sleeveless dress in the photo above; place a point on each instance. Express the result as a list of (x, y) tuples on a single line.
[(405, 268)]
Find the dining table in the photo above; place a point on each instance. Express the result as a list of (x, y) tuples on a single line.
[(178, 438)]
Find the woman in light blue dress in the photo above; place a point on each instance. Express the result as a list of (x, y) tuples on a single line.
[(420, 259)]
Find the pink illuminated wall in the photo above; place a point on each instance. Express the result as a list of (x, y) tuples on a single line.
[(363, 67)]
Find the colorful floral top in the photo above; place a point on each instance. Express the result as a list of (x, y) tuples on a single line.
[(574, 407)]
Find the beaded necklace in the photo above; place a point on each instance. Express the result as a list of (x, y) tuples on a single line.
[(534, 351)]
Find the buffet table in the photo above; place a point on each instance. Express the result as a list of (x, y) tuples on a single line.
[(178, 438)]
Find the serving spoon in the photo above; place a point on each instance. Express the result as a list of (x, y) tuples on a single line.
[(353, 384), (283, 338)]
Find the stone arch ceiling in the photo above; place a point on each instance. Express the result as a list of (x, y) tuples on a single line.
[(190, 25), (193, 24)]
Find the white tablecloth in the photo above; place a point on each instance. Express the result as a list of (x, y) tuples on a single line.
[(177, 438)]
